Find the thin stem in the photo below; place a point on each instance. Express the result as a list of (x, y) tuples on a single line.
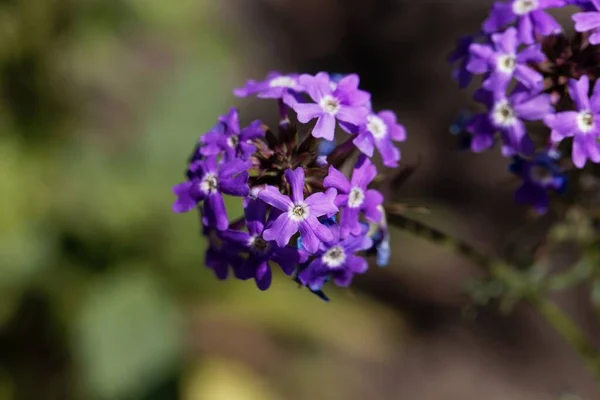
[(511, 277)]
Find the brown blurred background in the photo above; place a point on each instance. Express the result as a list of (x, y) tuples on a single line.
[(104, 291)]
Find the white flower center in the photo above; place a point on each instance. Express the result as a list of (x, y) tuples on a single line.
[(298, 212), (376, 126), (522, 7), (585, 121), (209, 183), (506, 63), (233, 141), (333, 85), (258, 245), (356, 197), (540, 175), (282, 81), (330, 104), (503, 114), (334, 257)]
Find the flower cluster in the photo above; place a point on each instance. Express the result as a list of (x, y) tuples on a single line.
[(532, 74), (300, 211)]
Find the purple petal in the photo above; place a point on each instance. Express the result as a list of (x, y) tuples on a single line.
[(506, 42), (579, 153), (281, 231), (325, 127), (287, 258), (349, 222), (563, 124), (307, 111), (578, 90), (389, 153), (545, 24), (343, 278), (593, 148), (235, 185), (500, 15), (364, 142), (525, 26), (356, 264), (231, 121), (184, 202), (313, 233), (364, 173), (352, 115), (535, 108), (527, 76), (271, 195), (322, 203), (336, 180), (263, 276), (373, 199), (215, 214), (532, 53), (316, 86), (255, 212), (585, 21), (295, 179), (396, 131), (595, 99)]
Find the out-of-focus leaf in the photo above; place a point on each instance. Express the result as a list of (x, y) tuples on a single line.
[(596, 293), (221, 379), (127, 335)]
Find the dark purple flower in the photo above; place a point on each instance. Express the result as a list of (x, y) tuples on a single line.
[(379, 131), (259, 251), (506, 115), (299, 214), (530, 16), (226, 137), (208, 180), (589, 21), (583, 125), (353, 196), (461, 53), (275, 86), (219, 256), (341, 101), (336, 261), (502, 61), (540, 175)]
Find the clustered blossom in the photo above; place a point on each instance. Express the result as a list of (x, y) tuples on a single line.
[(300, 212), (538, 89)]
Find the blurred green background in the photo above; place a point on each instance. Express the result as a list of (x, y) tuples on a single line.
[(103, 291)]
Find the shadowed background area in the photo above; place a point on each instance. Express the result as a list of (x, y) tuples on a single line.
[(104, 294)]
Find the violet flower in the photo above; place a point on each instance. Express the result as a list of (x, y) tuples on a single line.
[(336, 261), (208, 181), (379, 131), (583, 125), (589, 21), (353, 196), (299, 214), (502, 61), (343, 102), (530, 16), (506, 115), (540, 175), (219, 256), (275, 86), (259, 251)]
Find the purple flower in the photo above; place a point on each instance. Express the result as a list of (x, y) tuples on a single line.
[(540, 175), (259, 251), (589, 21), (299, 214), (226, 137), (342, 102), (379, 131), (353, 196), (208, 181), (583, 125), (506, 114), (275, 86), (530, 16), (218, 256), (336, 260), (461, 53), (503, 62)]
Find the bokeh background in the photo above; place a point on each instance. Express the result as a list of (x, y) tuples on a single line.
[(103, 291)]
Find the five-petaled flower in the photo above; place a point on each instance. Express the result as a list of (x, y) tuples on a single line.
[(378, 131)]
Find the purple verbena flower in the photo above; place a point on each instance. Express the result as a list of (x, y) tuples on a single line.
[(540, 175), (502, 61), (379, 131), (275, 86), (259, 251), (298, 213), (342, 102), (219, 256), (530, 16), (208, 180), (226, 137), (583, 125), (506, 115), (589, 21), (354, 197), (337, 261)]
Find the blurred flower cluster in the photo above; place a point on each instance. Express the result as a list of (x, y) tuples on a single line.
[(533, 74), (301, 211)]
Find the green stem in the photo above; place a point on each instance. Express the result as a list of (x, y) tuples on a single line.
[(511, 277)]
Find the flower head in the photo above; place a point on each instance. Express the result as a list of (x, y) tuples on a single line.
[(341, 101), (298, 213), (530, 16), (354, 197), (583, 124), (502, 61), (378, 131)]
